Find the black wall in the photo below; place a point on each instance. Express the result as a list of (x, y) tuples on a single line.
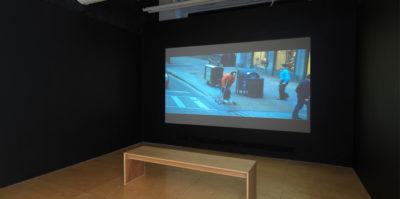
[(66, 87), (377, 136), (332, 28)]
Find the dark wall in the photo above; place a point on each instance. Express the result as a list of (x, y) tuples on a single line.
[(66, 86), (331, 27), (377, 136)]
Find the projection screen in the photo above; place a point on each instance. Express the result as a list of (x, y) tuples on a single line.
[(253, 85)]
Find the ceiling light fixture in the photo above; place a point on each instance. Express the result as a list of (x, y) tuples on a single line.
[(199, 3), (178, 5), (87, 2)]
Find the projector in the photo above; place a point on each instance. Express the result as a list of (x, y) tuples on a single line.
[(87, 2)]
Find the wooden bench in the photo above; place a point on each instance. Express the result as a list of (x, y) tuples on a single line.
[(135, 159)]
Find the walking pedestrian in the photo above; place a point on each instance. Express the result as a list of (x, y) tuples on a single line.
[(303, 97), (284, 80)]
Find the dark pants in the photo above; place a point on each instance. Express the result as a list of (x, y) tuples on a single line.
[(226, 92), (282, 93), (299, 106)]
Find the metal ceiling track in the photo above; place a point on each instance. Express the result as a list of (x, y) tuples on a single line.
[(87, 2), (194, 3)]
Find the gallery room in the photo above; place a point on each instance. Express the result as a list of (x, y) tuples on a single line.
[(197, 99)]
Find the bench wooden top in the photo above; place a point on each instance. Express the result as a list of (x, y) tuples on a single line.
[(198, 159)]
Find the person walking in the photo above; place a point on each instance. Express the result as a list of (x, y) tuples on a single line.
[(303, 97), (226, 83), (284, 80)]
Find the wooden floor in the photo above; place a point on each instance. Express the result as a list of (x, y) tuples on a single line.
[(102, 178)]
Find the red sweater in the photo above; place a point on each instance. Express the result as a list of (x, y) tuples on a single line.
[(229, 79)]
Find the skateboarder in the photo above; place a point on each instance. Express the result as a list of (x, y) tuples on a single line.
[(226, 83)]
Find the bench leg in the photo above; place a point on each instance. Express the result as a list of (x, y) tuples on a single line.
[(251, 180), (132, 169)]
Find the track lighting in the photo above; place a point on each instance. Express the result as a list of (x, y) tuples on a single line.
[(87, 2)]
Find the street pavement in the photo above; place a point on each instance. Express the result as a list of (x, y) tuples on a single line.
[(191, 71)]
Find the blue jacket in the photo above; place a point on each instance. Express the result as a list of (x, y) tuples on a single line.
[(285, 75)]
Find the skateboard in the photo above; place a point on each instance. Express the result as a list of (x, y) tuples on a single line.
[(220, 101)]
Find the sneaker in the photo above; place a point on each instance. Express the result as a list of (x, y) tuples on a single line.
[(226, 101)]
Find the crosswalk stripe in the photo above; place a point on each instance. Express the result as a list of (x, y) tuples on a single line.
[(199, 103), (178, 101)]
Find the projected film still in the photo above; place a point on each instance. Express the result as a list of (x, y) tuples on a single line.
[(261, 85)]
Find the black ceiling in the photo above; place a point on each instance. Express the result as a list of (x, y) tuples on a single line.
[(125, 14)]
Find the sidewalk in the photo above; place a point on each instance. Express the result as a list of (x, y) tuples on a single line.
[(191, 70)]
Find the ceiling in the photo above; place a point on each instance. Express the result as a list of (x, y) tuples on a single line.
[(129, 15), (126, 14)]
